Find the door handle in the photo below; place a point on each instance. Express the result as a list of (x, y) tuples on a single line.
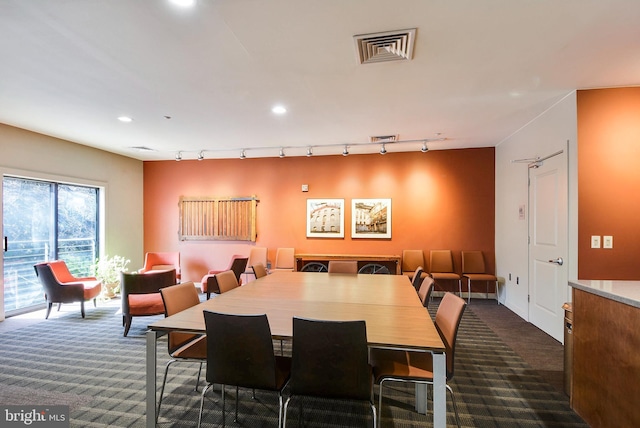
[(5, 244), (557, 261)]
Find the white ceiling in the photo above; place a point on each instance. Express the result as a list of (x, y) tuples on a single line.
[(481, 70)]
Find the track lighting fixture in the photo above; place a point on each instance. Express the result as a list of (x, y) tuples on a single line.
[(243, 155), (345, 152), (178, 156), (281, 155), (200, 155), (424, 148), (309, 152), (383, 150)]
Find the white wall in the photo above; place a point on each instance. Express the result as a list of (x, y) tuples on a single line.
[(32, 155), (543, 136)]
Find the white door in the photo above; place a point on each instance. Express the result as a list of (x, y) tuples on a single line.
[(548, 243)]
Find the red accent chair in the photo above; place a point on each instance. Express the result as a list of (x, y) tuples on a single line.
[(60, 286), (141, 296), (162, 261), (238, 265)]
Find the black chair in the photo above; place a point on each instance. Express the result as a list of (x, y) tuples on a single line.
[(240, 353), (182, 347), (417, 278), (330, 360)]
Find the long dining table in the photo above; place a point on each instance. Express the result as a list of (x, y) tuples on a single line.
[(394, 316)]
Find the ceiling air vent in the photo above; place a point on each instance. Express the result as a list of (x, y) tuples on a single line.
[(388, 46), (384, 139)]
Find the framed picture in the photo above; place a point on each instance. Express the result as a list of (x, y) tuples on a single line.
[(325, 218), (371, 218)]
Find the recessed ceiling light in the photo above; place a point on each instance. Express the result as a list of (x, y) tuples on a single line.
[(183, 3), (279, 109), (125, 119)]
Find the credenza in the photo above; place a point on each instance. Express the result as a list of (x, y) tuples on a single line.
[(366, 263)]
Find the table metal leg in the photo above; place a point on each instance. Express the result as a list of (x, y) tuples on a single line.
[(439, 390), (151, 378)]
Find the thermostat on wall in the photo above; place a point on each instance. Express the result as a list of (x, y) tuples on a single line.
[(305, 187)]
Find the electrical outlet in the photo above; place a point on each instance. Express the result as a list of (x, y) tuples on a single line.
[(595, 241), (607, 241)]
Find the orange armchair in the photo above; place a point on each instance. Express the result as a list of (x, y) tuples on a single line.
[(141, 296), (238, 265), (162, 261), (60, 286)]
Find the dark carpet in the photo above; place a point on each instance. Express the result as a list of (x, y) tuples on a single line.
[(89, 366)]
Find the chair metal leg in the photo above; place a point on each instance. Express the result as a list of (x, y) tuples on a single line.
[(455, 407), (204, 391), (164, 382), (235, 419), (284, 412)]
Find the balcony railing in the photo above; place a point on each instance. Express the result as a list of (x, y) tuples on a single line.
[(22, 288)]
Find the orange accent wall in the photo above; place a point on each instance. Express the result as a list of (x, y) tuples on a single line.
[(609, 182), (440, 200)]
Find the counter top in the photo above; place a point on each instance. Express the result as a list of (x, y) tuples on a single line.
[(627, 292)]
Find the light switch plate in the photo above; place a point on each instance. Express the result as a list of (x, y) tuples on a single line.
[(607, 241), (595, 241)]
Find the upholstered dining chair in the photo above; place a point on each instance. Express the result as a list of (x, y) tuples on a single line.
[(417, 367), (424, 292), (474, 269), (246, 363), (411, 260), (441, 267), (256, 255), (259, 270), (343, 266), (285, 260), (237, 265), (60, 286), (222, 282), (417, 278), (182, 347), (162, 261), (140, 294), (330, 361)]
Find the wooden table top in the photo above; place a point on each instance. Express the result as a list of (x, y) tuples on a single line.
[(389, 305)]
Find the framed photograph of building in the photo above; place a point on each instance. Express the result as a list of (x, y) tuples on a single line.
[(371, 218), (325, 218)]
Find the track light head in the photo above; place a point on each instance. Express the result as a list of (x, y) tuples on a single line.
[(243, 155), (178, 156), (281, 155), (345, 152), (383, 150), (201, 155), (424, 148), (309, 152)]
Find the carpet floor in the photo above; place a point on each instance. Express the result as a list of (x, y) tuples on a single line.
[(88, 365)]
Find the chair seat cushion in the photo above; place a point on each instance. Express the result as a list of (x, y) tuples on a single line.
[(196, 349), (92, 289), (480, 277), (401, 364), (440, 275), (146, 304)]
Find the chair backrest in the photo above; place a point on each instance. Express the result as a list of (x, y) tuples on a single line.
[(411, 259), (240, 350), (238, 265), (343, 266), (151, 282), (447, 323), (226, 281), (259, 270), (417, 278), (176, 299), (256, 255), (473, 262), (285, 258), (330, 359), (440, 261), (162, 261), (424, 292), (53, 289)]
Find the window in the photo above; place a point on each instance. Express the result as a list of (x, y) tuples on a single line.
[(45, 221)]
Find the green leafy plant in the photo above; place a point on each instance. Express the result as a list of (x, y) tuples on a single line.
[(107, 269)]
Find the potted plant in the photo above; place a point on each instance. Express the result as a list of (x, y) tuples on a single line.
[(107, 269)]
